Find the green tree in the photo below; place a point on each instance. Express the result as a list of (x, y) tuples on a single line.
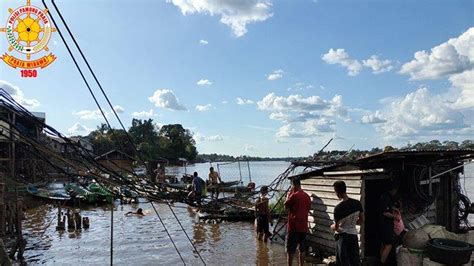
[(467, 144), (180, 142), (104, 140), (449, 144)]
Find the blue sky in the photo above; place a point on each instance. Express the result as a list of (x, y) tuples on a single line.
[(263, 77)]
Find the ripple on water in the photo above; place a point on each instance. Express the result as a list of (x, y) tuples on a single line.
[(142, 240)]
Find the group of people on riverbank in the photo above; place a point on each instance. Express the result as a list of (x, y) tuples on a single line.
[(347, 215), (199, 186)]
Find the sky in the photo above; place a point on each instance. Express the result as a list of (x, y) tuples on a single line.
[(263, 77)]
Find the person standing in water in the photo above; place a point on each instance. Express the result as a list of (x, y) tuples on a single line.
[(298, 204), (262, 215), (214, 180)]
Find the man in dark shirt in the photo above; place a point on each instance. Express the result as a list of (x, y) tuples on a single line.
[(197, 188), (298, 204), (387, 219), (347, 214)]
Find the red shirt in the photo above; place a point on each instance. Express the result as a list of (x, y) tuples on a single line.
[(298, 204)]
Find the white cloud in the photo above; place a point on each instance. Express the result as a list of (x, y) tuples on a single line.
[(452, 57), (90, 114), (215, 138), (18, 95), (377, 65), (241, 101), (119, 109), (303, 117), (354, 66), (204, 108), (373, 118), (225, 102), (203, 42), (297, 117), (235, 14), (249, 148), (166, 99), (296, 103), (78, 129), (464, 83), (204, 82), (421, 114), (341, 57), (276, 74), (198, 137), (143, 114), (308, 129)]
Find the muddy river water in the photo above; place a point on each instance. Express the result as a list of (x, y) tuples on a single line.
[(143, 240)]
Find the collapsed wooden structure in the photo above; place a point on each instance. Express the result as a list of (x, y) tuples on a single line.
[(428, 185)]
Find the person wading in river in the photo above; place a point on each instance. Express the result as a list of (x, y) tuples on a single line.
[(214, 179), (262, 214), (298, 204), (197, 188), (347, 214), (139, 212)]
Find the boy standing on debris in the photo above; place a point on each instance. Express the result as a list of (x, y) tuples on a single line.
[(262, 213), (214, 179), (347, 214)]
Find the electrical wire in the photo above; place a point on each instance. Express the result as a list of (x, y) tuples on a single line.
[(108, 101)]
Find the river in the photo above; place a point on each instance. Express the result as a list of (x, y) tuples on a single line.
[(143, 240)]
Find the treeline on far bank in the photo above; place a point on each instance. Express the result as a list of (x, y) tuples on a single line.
[(430, 145), (173, 142), (331, 155), (150, 141)]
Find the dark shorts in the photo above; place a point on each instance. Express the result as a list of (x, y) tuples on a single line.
[(387, 235), (215, 188), (295, 240), (347, 250), (262, 224)]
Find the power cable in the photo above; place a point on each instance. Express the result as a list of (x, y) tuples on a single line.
[(108, 101)]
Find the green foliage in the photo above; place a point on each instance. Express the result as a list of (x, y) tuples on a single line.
[(180, 142), (213, 157), (278, 207), (430, 145), (171, 141), (104, 140)]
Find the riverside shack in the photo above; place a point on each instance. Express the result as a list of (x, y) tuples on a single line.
[(116, 160), (428, 184)]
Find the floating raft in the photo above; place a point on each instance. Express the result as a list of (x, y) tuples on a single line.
[(47, 194)]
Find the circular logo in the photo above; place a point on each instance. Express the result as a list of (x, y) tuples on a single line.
[(28, 29)]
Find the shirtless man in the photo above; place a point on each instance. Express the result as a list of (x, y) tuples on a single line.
[(214, 179)]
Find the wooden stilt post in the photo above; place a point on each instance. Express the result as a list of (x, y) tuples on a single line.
[(112, 235), (3, 211)]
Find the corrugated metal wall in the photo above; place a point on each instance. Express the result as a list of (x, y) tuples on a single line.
[(323, 202)]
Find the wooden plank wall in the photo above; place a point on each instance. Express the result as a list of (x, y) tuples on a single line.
[(323, 202)]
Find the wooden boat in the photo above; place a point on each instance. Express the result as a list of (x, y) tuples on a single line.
[(76, 191), (102, 194), (128, 193), (230, 183), (47, 194)]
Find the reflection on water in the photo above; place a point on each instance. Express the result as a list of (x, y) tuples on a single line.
[(143, 241)]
